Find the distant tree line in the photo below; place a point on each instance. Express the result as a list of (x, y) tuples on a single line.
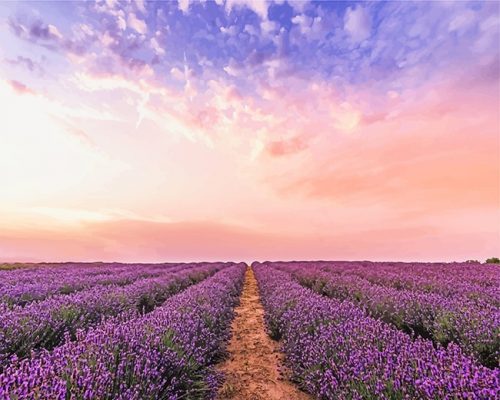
[(492, 260)]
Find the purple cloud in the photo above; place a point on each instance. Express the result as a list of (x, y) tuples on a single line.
[(49, 36), (26, 62)]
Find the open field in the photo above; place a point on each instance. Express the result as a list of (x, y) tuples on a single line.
[(281, 330)]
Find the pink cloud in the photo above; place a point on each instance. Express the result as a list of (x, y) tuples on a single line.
[(20, 87), (437, 149), (279, 148), (153, 242)]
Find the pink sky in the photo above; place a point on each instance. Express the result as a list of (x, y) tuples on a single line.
[(383, 151)]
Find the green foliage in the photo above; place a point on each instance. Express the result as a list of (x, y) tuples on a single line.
[(9, 266), (493, 260)]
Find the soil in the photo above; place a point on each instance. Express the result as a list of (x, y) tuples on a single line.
[(252, 367)]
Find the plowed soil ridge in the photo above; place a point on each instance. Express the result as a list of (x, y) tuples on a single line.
[(252, 368)]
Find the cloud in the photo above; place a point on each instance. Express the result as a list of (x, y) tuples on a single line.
[(121, 22), (416, 154), (251, 30), (77, 133), (44, 32), (143, 241), (303, 21), (430, 184), (136, 23), (49, 36), (259, 7), (27, 62), (298, 6), (325, 48), (357, 22), (177, 74), (141, 6), (183, 5), (461, 21), (279, 148), (45, 107), (20, 87), (35, 31), (267, 27), (231, 30), (156, 47)]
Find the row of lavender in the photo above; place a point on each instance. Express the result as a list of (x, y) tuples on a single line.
[(48, 323), (336, 351), (471, 323), (38, 282), (472, 281), (167, 354)]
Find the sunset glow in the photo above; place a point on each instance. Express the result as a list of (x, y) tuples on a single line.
[(249, 130)]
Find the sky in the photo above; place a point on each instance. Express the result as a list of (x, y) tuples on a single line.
[(249, 130)]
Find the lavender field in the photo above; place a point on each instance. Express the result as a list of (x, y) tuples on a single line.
[(345, 330), (115, 332)]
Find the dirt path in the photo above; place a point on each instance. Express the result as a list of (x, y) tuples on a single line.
[(252, 367)]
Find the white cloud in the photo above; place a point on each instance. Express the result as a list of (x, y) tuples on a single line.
[(303, 21), (492, 23), (107, 39), (156, 47), (141, 5), (233, 69), (257, 6), (311, 27), (251, 30), (136, 23), (268, 26), (121, 22), (177, 74), (82, 31), (462, 21), (184, 6), (54, 32), (298, 5), (231, 30), (357, 23)]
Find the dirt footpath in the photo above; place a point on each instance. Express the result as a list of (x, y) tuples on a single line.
[(251, 369)]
